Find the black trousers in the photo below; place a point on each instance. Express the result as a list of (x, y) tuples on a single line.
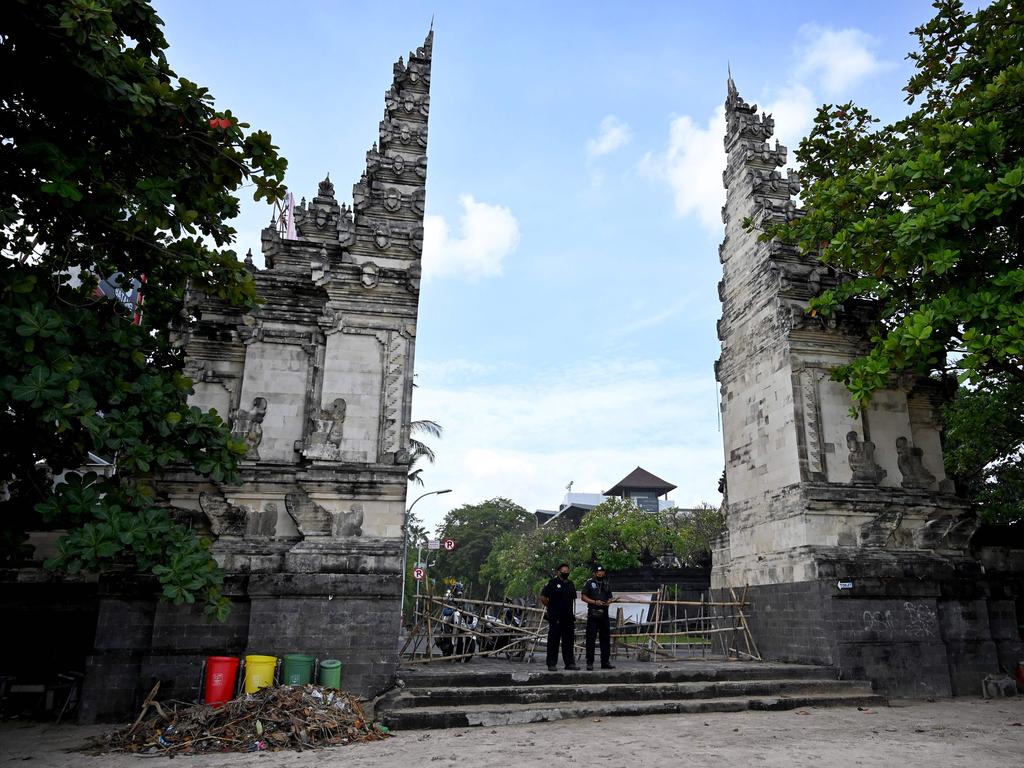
[(597, 625), (560, 632)]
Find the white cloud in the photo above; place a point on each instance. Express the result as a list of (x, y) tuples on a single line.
[(614, 133), (589, 423), (488, 233), (692, 165), (651, 320), (837, 58), (793, 108)]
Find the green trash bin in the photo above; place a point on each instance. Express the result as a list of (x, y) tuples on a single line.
[(330, 673), (297, 670)]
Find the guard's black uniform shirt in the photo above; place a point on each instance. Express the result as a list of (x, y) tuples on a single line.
[(597, 589), (561, 597)]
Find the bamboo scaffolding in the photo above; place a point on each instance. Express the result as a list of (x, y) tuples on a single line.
[(715, 622)]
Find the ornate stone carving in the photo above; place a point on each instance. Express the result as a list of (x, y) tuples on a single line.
[(326, 429), (326, 187), (812, 422), (403, 133), (262, 523), (381, 234), (370, 275), (417, 71), (400, 101), (347, 523), (909, 461), (392, 199), (318, 266), (225, 518), (310, 518), (394, 390), (346, 227), (886, 531), (360, 193), (416, 239), (413, 275), (862, 461), (248, 426)]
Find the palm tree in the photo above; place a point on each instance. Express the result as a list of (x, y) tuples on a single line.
[(420, 450)]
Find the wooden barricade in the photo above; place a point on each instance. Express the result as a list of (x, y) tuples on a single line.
[(671, 630)]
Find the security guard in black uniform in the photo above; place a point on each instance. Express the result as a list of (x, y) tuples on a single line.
[(559, 597), (597, 594)]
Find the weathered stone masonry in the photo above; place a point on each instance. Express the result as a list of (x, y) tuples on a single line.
[(845, 528), (318, 383)]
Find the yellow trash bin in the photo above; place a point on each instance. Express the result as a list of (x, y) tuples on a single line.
[(259, 672)]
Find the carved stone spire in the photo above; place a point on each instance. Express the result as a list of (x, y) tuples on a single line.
[(388, 199), (326, 187)]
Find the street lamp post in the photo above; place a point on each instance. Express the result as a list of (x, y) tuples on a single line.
[(405, 537)]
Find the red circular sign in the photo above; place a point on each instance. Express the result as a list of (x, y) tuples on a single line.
[(448, 545), (418, 574)]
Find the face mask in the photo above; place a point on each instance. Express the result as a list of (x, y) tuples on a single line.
[(563, 575)]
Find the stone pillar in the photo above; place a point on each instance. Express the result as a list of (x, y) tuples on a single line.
[(844, 527), (317, 382)]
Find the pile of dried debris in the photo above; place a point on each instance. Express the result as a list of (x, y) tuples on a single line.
[(278, 718)]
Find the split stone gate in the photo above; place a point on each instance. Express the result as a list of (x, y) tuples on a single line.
[(847, 531), (318, 382)]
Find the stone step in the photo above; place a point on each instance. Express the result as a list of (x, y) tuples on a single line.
[(471, 675), (594, 690), (512, 714)]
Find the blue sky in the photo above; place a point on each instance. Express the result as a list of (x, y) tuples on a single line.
[(567, 317)]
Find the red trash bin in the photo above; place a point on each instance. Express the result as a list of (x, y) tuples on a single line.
[(221, 674)]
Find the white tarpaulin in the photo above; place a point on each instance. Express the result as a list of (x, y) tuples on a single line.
[(635, 606)]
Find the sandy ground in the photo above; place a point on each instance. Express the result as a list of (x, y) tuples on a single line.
[(946, 734)]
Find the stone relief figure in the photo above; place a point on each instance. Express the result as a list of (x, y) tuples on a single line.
[(262, 523), (225, 518), (862, 461), (370, 275), (313, 520), (381, 234), (310, 518), (909, 460), (327, 424), (248, 426), (348, 523)]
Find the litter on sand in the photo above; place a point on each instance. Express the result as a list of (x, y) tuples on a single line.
[(285, 717)]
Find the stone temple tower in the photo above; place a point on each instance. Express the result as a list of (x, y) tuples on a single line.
[(318, 383), (844, 529)]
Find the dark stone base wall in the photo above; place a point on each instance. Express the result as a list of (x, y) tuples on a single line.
[(350, 617), (140, 640), (914, 638)]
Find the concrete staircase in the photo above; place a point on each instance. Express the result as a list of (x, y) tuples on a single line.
[(494, 693)]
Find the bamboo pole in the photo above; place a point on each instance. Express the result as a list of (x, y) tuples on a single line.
[(703, 627), (430, 615), (749, 636)]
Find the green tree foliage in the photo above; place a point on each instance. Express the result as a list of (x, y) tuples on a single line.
[(111, 164), (475, 528), (520, 564), (985, 439), (924, 216), (616, 533), (420, 450)]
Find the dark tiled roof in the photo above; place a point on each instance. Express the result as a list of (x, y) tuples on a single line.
[(640, 480)]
